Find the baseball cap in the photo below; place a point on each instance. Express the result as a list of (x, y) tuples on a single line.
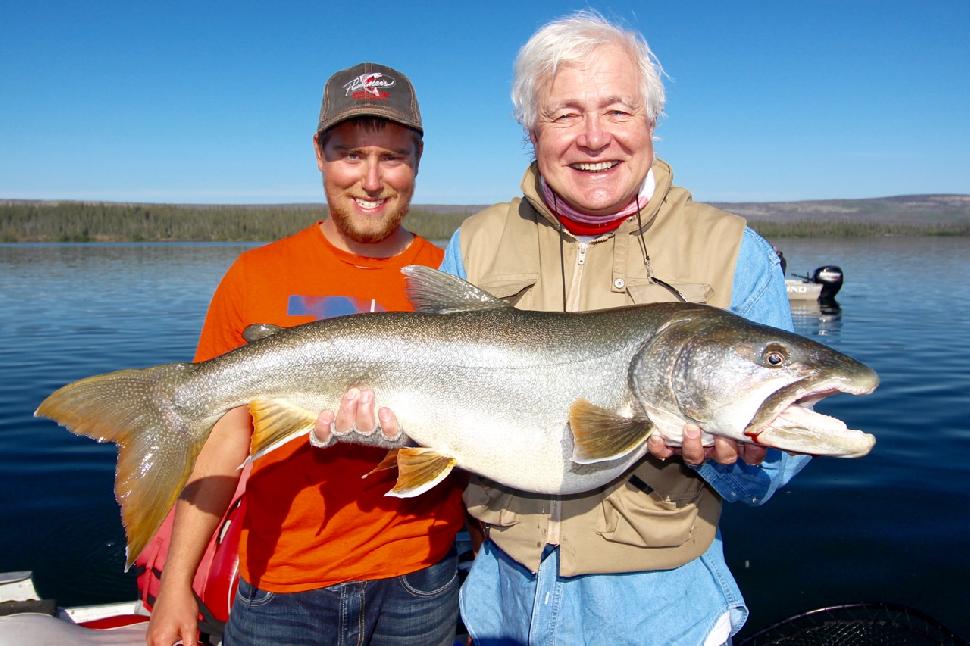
[(371, 90)]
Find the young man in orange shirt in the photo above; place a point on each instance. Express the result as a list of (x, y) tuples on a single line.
[(325, 557)]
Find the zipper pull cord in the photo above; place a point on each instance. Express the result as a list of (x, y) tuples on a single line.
[(646, 259), (562, 256)]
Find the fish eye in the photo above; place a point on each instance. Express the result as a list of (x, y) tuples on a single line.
[(774, 356)]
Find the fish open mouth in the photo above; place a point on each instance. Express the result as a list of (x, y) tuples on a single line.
[(787, 420)]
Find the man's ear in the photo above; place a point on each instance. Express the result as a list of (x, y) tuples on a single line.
[(418, 150), (317, 151)]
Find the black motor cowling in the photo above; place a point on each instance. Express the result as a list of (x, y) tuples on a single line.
[(830, 277)]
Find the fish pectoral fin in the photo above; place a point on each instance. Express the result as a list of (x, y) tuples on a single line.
[(418, 470), (600, 434), (276, 422), (386, 464), (258, 331)]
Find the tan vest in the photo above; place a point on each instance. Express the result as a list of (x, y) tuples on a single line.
[(661, 514)]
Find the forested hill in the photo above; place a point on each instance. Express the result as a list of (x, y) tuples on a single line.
[(71, 221), (900, 209), (932, 214)]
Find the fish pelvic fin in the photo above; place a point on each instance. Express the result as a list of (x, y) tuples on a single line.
[(388, 462), (276, 422), (157, 440), (418, 470), (600, 434), (435, 292)]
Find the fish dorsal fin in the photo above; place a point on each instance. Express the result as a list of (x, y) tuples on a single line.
[(435, 292), (600, 434), (258, 331), (418, 470), (276, 422)]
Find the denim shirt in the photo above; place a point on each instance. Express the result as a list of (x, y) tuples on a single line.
[(504, 602)]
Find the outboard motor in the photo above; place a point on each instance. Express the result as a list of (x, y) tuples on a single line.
[(830, 277)]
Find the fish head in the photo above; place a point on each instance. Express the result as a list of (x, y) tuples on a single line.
[(749, 382)]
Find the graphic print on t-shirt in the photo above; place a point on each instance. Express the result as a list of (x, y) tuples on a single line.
[(325, 307)]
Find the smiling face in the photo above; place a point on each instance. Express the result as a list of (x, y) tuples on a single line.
[(368, 176), (593, 141)]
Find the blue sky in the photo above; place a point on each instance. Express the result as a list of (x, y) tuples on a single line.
[(217, 101)]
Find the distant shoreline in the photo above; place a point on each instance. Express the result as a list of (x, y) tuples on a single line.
[(75, 221)]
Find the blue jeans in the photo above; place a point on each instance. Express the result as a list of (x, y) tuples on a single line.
[(417, 609), (504, 604)]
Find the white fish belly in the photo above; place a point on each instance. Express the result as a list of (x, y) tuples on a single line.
[(516, 433), (524, 453)]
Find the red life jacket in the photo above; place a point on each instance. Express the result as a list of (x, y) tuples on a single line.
[(216, 578)]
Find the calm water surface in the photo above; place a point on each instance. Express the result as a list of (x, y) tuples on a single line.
[(892, 526)]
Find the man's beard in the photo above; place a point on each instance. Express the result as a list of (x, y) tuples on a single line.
[(367, 231)]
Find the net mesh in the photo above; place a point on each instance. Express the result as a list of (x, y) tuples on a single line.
[(864, 624)]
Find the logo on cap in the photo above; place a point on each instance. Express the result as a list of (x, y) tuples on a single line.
[(369, 86)]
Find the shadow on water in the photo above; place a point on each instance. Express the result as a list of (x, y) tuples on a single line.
[(84, 558)]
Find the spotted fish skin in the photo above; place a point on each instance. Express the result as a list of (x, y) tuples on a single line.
[(552, 403)]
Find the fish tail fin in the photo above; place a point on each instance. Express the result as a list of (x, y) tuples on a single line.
[(157, 442)]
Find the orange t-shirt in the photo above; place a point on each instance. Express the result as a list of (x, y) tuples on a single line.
[(311, 521)]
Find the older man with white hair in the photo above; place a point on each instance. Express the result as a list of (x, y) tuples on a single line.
[(600, 225)]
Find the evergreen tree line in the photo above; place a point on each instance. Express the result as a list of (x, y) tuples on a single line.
[(108, 222), (111, 222)]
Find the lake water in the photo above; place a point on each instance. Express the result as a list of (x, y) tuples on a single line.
[(890, 527)]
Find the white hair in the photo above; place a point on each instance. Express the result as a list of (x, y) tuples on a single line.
[(572, 39)]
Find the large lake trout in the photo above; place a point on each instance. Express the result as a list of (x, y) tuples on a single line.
[(551, 403)]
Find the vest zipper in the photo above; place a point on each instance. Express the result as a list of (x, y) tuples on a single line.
[(574, 286), (554, 528)]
